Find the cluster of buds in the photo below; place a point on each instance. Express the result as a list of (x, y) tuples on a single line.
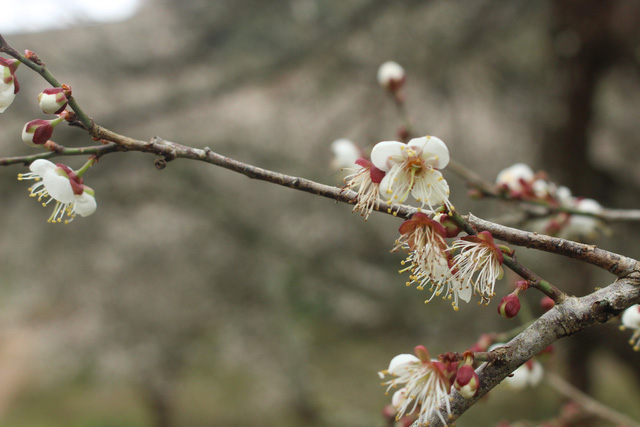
[(9, 86), (425, 384), (470, 265), (578, 216)]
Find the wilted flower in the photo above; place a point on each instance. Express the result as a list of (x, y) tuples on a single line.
[(58, 182), (391, 76), (54, 100), (478, 265), (428, 260), (631, 319), (367, 180), (412, 168), (424, 382), (9, 84)]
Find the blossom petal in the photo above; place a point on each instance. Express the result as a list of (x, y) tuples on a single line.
[(395, 185), (42, 166), (431, 189), (383, 151), (58, 187), (431, 145), (85, 204), (401, 361)]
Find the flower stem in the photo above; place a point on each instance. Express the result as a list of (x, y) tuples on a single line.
[(86, 166)]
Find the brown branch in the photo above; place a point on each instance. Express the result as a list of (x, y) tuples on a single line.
[(565, 319), (616, 264)]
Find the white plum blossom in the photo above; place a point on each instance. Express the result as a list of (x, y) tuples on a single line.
[(391, 75), (631, 320), (412, 168), (478, 265), (345, 153), (514, 176), (428, 258), (529, 374), (424, 385), (59, 183), (367, 180), (583, 227), (9, 86)]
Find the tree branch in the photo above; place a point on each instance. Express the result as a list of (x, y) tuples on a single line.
[(565, 319), (616, 264)]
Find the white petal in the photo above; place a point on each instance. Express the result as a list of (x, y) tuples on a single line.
[(58, 187), (41, 166), (383, 151), (512, 175), (432, 146), (401, 361), (631, 317), (589, 206), (519, 379), (85, 204), (388, 71), (345, 153), (398, 398), (535, 374), (431, 189), (6, 97)]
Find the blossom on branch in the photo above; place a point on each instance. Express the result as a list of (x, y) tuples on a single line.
[(9, 84), (428, 260), (425, 383), (515, 178), (54, 100), (478, 265), (345, 153), (58, 182), (412, 168), (367, 179), (631, 319)]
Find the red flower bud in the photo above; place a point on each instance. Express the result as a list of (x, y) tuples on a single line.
[(467, 381), (509, 306), (547, 303)]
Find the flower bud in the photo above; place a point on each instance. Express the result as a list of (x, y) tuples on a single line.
[(467, 382), (391, 76), (509, 306), (547, 303), (8, 82), (37, 132), (53, 100)]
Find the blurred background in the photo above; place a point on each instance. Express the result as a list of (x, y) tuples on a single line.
[(197, 297)]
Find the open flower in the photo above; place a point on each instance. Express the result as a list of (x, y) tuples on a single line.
[(631, 319), (58, 182), (367, 180), (8, 82), (412, 168), (478, 265), (425, 384), (428, 260)]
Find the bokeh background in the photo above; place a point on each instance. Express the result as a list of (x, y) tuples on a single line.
[(197, 297)]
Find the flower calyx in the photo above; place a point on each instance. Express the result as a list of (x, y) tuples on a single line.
[(467, 382)]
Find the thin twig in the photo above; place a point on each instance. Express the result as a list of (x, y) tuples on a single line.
[(588, 403)]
